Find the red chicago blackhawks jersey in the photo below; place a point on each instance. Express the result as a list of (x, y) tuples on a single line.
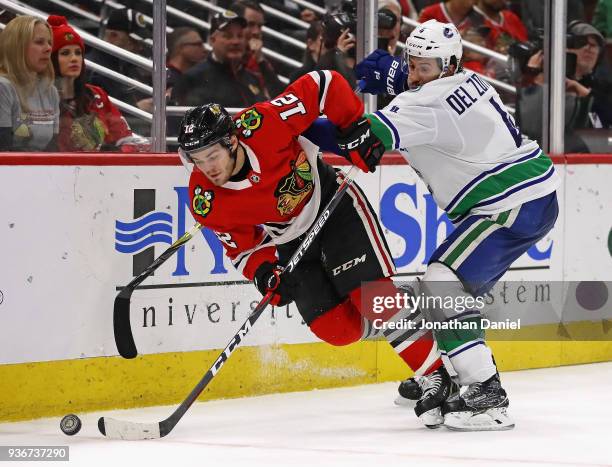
[(279, 198)]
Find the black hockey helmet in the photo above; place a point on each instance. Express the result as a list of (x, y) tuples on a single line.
[(204, 126)]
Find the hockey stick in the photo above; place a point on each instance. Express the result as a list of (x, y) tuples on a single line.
[(118, 429), (121, 310)]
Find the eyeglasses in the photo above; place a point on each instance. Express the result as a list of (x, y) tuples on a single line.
[(593, 45), (582, 41)]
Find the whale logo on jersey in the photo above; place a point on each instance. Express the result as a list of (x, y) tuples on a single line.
[(202, 201), (296, 187), (249, 122)]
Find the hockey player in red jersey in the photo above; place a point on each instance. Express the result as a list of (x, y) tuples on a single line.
[(259, 185)]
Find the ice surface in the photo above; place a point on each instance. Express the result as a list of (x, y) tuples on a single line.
[(562, 415)]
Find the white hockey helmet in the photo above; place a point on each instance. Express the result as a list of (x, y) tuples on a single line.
[(434, 39)]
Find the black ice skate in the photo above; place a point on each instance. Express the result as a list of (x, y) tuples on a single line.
[(482, 407), (437, 388), (410, 391)]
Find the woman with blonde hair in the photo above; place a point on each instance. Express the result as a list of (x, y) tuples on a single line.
[(29, 102)]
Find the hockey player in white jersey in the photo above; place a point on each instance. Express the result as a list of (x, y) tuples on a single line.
[(498, 188)]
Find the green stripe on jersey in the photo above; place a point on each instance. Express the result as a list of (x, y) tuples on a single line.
[(381, 131), (471, 330), (514, 174), (478, 229)]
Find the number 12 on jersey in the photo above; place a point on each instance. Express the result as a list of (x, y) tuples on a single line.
[(289, 99)]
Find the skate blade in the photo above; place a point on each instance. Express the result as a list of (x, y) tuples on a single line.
[(403, 402), (492, 420), (432, 418)]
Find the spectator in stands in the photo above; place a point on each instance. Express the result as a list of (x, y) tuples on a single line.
[(588, 101), (338, 52), (389, 14), (309, 16), (222, 78), (506, 27), (88, 119), (407, 9), (420, 5), (125, 28), (314, 44), (185, 50), (457, 12), (254, 59), (29, 102), (602, 18), (592, 71), (475, 61)]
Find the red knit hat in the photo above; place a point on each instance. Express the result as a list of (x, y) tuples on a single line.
[(63, 34)]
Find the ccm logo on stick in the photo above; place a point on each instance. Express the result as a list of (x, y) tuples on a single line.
[(349, 264), (242, 332)]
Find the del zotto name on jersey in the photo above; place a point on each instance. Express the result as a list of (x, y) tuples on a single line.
[(463, 96)]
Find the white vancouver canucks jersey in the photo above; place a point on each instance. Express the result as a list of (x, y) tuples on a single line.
[(458, 136)]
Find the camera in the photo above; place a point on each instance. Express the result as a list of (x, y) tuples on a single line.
[(523, 51), (386, 19), (386, 22), (333, 24)]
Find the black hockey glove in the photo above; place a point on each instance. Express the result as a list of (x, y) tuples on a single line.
[(360, 145), (268, 278)]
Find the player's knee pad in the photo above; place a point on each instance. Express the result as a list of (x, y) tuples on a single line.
[(445, 300), (341, 325), (439, 272), (444, 294)]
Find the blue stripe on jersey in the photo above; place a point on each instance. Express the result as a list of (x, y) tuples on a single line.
[(474, 181), (387, 122), (463, 349)]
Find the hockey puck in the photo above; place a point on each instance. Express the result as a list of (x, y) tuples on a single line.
[(70, 424)]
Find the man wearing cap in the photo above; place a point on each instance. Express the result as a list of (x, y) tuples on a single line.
[(222, 77), (125, 28), (591, 73), (587, 99)]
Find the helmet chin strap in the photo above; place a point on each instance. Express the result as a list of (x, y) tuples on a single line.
[(443, 68), (446, 68)]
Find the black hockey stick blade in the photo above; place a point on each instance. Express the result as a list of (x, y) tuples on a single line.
[(121, 325), (124, 339)]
